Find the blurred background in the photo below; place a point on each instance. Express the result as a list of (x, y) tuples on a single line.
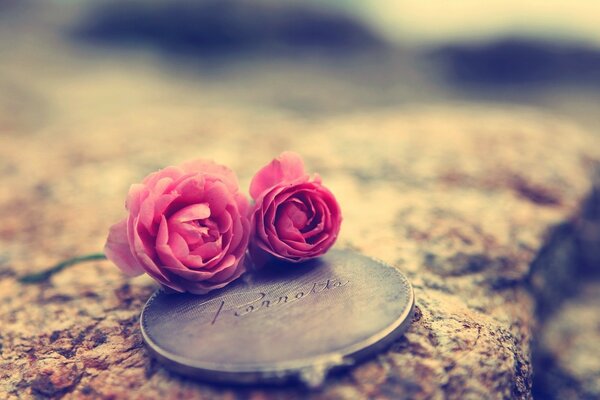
[(83, 61), (315, 57)]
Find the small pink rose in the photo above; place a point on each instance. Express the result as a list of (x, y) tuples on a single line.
[(187, 228), (294, 218)]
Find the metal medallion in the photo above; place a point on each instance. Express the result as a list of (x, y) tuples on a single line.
[(285, 322)]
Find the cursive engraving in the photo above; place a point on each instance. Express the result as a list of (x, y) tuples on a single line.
[(218, 312), (264, 302), (240, 304)]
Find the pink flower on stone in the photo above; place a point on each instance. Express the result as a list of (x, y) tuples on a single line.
[(187, 228), (294, 218)]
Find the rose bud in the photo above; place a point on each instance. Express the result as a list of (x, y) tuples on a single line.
[(187, 228), (294, 218)]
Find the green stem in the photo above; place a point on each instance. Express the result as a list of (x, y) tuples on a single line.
[(42, 276)]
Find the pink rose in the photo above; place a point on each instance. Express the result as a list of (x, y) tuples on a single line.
[(295, 218), (187, 228)]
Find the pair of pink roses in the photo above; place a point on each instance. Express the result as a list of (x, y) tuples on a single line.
[(189, 226)]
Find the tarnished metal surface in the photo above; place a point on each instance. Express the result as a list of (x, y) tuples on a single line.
[(284, 322)]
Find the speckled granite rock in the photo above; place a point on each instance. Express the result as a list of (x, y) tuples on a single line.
[(460, 198)]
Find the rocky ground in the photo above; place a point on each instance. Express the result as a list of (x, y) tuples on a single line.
[(463, 198)]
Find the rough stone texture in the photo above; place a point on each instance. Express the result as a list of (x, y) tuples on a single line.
[(458, 198), (461, 198), (564, 279), (569, 348)]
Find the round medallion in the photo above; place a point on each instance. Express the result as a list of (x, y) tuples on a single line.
[(285, 322)]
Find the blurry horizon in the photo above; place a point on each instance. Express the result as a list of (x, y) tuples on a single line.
[(324, 57), (426, 23), (413, 22)]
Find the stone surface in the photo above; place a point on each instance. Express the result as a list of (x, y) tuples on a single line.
[(569, 348), (564, 281), (460, 197)]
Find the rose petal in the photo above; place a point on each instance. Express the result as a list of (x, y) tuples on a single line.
[(204, 287), (226, 272), (137, 193), (170, 172), (243, 205), (217, 197), (289, 218), (144, 254), (210, 168), (286, 168), (224, 222), (238, 237), (190, 189), (170, 246), (118, 251), (191, 213), (207, 251), (187, 227), (295, 221), (193, 235), (190, 274), (161, 205), (146, 215), (178, 245)]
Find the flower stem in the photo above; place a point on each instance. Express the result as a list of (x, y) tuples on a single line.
[(42, 276)]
